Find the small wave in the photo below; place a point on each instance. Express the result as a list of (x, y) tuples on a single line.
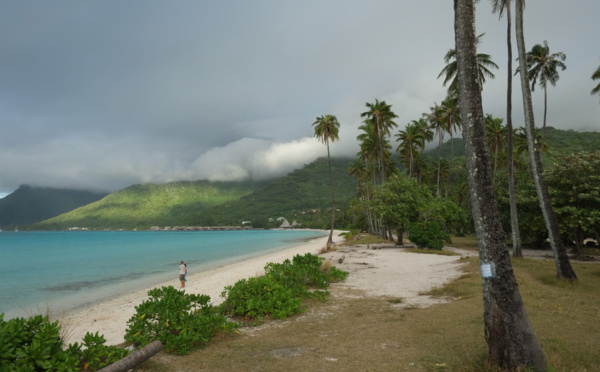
[(76, 286)]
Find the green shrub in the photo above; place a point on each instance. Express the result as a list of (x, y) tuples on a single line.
[(177, 319), (34, 344), (280, 291), (263, 295), (427, 234)]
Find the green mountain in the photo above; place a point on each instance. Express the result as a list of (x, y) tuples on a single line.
[(303, 195), (204, 203), (28, 205), (141, 206)]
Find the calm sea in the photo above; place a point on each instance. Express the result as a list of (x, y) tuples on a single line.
[(69, 270)]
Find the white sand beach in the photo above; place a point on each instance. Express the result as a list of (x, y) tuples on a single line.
[(387, 271)]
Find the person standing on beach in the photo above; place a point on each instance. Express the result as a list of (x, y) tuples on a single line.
[(182, 271)]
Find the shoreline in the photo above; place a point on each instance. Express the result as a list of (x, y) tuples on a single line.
[(109, 318)]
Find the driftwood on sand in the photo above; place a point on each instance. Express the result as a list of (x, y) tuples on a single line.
[(135, 358), (341, 259)]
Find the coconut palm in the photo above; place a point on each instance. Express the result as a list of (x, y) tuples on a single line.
[(512, 343), (327, 129), (563, 265), (451, 118), (411, 140), (436, 121), (380, 115), (596, 76), (484, 64), (428, 135), (543, 65), (496, 138), (501, 6)]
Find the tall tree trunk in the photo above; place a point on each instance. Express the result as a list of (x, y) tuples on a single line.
[(511, 340), (545, 112), (512, 191), (439, 174), (450, 165), (330, 240), (563, 265)]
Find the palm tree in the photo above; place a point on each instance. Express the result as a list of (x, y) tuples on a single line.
[(563, 265), (499, 6), (510, 336), (428, 136), (411, 139), (436, 120), (451, 118), (542, 64), (596, 76), (484, 63), (381, 116), (495, 133), (326, 129)]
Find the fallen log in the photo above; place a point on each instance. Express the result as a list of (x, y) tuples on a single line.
[(135, 358), (341, 259)]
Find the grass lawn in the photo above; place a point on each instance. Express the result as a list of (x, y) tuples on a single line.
[(352, 333)]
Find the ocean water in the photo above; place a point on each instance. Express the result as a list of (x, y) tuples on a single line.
[(64, 271)]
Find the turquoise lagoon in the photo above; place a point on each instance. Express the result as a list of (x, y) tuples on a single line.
[(64, 271)]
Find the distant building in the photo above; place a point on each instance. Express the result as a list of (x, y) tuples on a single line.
[(285, 224)]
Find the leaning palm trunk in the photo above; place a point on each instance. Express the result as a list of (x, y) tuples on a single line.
[(545, 114), (563, 265), (512, 191), (512, 343)]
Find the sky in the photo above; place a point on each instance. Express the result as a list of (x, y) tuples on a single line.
[(101, 95)]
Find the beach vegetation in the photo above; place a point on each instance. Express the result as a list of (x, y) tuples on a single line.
[(34, 344), (280, 292), (177, 319), (383, 334), (412, 208)]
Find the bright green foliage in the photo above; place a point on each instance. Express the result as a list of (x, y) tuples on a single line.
[(176, 319), (34, 344), (280, 291), (428, 234), (402, 202), (574, 186)]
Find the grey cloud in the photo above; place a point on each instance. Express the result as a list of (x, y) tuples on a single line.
[(106, 94)]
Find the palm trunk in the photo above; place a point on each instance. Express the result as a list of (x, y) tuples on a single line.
[(545, 112), (563, 265), (512, 343), (330, 240), (495, 165), (450, 165), (514, 218), (439, 174)]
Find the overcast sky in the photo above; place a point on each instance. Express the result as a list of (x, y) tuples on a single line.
[(104, 94)]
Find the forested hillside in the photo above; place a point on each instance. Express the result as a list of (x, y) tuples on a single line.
[(204, 203), (303, 195), (28, 205), (141, 206)]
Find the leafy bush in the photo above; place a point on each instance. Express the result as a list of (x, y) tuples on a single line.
[(260, 296), (428, 234), (280, 291), (177, 319), (34, 344)]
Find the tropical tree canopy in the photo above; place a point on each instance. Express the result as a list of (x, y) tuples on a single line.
[(484, 64), (544, 66), (574, 185)]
